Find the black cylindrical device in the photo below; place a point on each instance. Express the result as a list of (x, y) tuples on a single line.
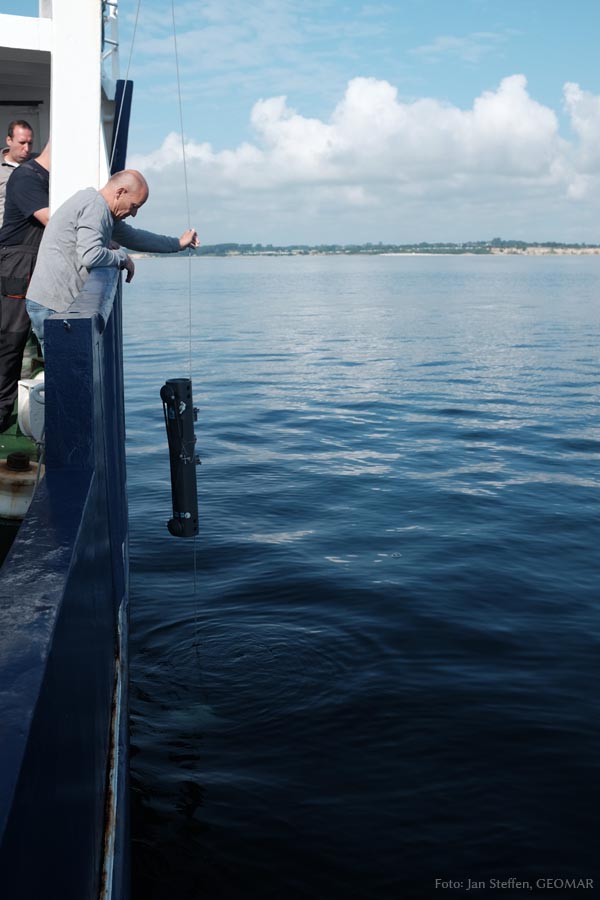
[(180, 416)]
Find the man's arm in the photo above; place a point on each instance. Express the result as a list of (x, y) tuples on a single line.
[(42, 215), (92, 239), (145, 241), (29, 194)]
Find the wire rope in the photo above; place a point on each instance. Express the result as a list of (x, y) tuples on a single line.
[(189, 225), (189, 280), (185, 180)]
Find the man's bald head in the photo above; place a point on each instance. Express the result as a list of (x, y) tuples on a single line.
[(125, 192), (129, 178)]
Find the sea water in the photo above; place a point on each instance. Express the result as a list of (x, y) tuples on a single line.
[(374, 674)]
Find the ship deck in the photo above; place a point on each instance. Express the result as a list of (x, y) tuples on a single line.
[(12, 440)]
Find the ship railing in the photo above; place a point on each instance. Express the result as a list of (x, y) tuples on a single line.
[(63, 622)]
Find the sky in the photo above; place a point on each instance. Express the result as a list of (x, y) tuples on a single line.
[(334, 121)]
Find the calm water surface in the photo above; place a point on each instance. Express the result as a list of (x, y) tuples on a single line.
[(378, 663)]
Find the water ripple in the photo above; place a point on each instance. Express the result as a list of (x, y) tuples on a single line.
[(384, 642)]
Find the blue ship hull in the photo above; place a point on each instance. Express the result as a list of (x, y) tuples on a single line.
[(64, 806)]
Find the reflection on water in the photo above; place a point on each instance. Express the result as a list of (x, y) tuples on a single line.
[(377, 663)]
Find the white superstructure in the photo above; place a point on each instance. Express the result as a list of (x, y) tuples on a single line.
[(58, 71)]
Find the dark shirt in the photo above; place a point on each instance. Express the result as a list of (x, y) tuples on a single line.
[(27, 191)]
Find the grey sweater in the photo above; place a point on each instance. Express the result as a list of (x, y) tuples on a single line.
[(6, 170), (76, 240)]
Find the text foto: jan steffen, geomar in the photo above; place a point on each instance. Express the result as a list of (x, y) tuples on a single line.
[(515, 884)]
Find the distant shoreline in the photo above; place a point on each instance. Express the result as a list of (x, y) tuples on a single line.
[(511, 251), (536, 250)]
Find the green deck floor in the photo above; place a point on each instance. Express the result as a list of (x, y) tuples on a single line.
[(12, 440)]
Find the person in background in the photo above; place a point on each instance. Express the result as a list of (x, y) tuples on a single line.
[(19, 142), (26, 214), (81, 237)]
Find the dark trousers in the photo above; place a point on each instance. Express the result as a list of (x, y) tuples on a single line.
[(14, 328)]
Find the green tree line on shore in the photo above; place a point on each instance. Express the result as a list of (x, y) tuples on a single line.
[(480, 247)]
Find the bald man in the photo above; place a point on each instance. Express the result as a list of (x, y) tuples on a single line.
[(79, 238)]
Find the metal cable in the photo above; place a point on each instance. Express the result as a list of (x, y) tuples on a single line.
[(185, 182), (189, 273)]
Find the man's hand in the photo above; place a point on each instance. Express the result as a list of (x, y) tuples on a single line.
[(189, 238), (130, 269)]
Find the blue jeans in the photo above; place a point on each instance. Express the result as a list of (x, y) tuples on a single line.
[(38, 315)]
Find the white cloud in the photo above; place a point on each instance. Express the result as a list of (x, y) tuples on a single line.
[(584, 111), (356, 176)]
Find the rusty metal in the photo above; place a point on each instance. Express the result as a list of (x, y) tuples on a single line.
[(18, 479), (18, 461)]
